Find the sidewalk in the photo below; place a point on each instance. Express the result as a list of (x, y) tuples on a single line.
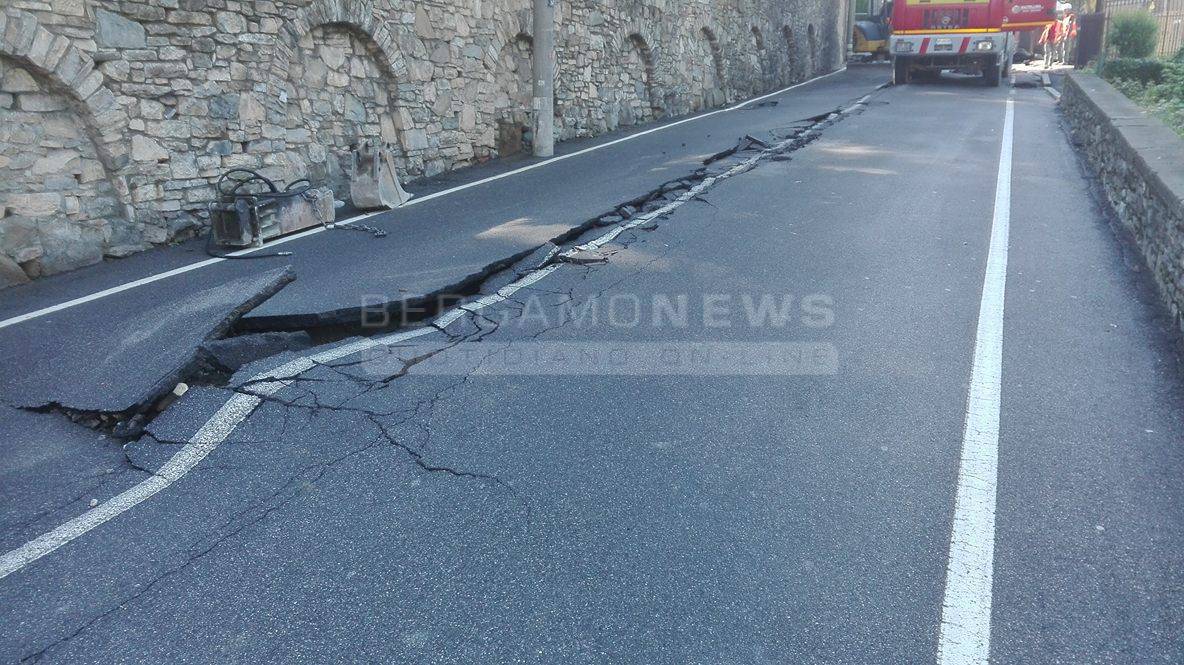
[(458, 228)]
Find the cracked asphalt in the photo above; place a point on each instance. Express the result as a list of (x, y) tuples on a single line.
[(730, 435)]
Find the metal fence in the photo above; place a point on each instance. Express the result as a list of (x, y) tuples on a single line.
[(1169, 14)]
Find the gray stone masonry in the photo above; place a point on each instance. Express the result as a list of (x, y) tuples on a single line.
[(1140, 163)]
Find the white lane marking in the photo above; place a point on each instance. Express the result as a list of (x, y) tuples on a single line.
[(413, 202), (265, 384), (216, 430), (965, 633)]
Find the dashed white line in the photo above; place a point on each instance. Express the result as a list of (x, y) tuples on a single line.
[(965, 632), (413, 202)]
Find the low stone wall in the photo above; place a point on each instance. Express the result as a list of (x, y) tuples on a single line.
[(117, 115), (1140, 163)]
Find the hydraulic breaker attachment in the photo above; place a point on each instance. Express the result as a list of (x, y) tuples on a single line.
[(251, 208)]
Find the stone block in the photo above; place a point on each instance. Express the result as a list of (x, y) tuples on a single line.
[(184, 165), (115, 31), (11, 273), (165, 70), (56, 162), (332, 56), (41, 103), (68, 246), (17, 80), (145, 149), (36, 205), (250, 110), (231, 22), (415, 139)]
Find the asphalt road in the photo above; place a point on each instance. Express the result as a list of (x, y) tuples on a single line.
[(736, 433)]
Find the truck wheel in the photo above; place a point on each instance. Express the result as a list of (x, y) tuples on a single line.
[(900, 71), (991, 73)]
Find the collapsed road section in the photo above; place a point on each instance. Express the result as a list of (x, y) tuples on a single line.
[(263, 381), (385, 312)]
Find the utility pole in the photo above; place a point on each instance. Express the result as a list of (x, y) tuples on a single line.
[(543, 67)]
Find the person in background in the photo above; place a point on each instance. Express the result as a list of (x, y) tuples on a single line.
[(1068, 37), (1048, 40)]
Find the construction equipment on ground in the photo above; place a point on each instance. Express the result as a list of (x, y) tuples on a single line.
[(374, 182), (870, 35), (252, 208)]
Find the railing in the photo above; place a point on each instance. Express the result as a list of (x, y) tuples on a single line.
[(1169, 14)]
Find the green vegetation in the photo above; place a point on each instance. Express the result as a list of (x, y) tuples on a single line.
[(1133, 34), (1157, 85), (1146, 71)]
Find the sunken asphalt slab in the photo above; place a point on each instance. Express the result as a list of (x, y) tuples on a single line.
[(119, 355)]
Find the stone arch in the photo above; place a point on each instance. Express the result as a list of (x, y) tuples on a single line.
[(791, 54), (648, 106), (357, 18), (717, 61), (71, 140), (71, 71), (761, 57), (338, 92), (758, 39), (359, 15), (812, 49), (514, 93)]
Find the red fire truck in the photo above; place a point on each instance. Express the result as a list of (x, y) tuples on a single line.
[(976, 36)]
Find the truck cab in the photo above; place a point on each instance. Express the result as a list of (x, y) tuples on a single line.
[(974, 36)]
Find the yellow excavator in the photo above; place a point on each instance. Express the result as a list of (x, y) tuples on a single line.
[(870, 38)]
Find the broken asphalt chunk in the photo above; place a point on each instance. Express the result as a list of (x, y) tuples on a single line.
[(121, 359), (583, 257)]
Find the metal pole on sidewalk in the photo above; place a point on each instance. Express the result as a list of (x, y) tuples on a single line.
[(543, 61)]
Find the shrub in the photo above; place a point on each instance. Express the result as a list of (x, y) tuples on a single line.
[(1133, 34), (1142, 70), (1164, 97)]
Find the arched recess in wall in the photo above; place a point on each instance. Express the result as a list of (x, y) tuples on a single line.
[(63, 139), (761, 57), (812, 50), (791, 56), (339, 70), (638, 99), (514, 93), (715, 88)]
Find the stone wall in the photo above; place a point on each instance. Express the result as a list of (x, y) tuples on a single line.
[(116, 116), (1140, 164)]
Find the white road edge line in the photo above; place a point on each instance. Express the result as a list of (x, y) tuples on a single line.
[(239, 407), (965, 632), (413, 202)]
